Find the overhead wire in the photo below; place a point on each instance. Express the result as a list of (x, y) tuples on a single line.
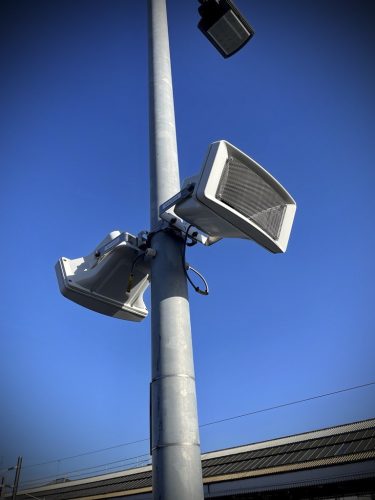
[(86, 453), (286, 404), (214, 422), (73, 473)]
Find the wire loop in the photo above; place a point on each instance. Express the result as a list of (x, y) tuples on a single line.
[(186, 266)]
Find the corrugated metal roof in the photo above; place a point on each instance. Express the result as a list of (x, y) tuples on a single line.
[(80, 489), (296, 438), (313, 449), (338, 445)]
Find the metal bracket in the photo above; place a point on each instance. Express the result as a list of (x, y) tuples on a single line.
[(173, 220), (192, 232), (135, 242), (181, 195), (108, 247)]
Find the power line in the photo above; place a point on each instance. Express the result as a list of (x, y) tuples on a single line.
[(101, 467), (86, 453), (287, 404), (214, 422)]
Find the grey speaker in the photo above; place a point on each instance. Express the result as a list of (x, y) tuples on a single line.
[(234, 197), (110, 280)]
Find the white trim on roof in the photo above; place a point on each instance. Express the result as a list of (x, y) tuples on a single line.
[(93, 479), (296, 438)]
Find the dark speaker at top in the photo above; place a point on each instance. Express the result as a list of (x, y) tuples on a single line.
[(224, 26)]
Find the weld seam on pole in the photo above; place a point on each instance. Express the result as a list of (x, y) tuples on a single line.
[(174, 444), (181, 375)]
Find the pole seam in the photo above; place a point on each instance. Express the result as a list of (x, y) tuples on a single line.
[(174, 444), (180, 375)]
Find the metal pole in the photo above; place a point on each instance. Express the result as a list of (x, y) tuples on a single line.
[(17, 478), (176, 458)]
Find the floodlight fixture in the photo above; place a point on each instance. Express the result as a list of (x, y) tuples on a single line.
[(234, 197), (224, 26), (110, 280)]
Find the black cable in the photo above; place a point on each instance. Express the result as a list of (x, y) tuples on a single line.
[(186, 267), (192, 243), (151, 234), (202, 292), (131, 275)]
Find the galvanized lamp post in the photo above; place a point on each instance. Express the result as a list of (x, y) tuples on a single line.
[(176, 457)]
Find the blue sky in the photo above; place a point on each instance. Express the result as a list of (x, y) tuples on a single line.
[(299, 99)]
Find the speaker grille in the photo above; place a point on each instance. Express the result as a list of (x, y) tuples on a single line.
[(247, 192), (229, 33)]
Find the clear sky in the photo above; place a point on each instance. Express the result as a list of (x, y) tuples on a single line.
[(299, 99)]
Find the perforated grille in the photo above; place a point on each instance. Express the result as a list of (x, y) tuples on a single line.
[(229, 33), (247, 192)]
